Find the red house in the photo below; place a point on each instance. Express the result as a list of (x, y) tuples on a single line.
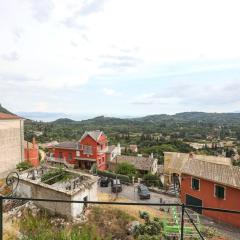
[(91, 148), (31, 152), (212, 185)]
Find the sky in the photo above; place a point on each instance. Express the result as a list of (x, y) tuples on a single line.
[(119, 57)]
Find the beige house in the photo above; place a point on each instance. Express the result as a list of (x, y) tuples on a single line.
[(143, 165), (175, 162), (11, 142)]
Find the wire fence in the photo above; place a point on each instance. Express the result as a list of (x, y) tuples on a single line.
[(184, 210)]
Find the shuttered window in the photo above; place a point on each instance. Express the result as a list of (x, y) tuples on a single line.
[(195, 184), (219, 192)]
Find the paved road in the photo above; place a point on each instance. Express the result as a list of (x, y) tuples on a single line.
[(130, 193)]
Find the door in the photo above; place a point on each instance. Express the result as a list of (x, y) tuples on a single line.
[(190, 200)]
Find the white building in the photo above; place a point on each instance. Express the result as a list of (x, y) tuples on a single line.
[(11, 142)]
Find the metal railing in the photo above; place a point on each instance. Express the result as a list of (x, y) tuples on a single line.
[(184, 211)]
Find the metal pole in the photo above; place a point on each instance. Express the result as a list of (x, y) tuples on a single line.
[(1, 217), (182, 222), (193, 223)]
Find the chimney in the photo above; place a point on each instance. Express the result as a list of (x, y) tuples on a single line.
[(34, 142), (119, 149), (191, 155), (151, 156)]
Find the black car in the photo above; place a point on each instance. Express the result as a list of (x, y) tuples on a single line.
[(116, 186), (104, 181), (143, 192)]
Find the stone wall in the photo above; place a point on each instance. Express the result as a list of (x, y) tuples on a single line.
[(71, 210)]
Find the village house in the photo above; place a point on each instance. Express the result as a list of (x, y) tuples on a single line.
[(133, 148), (212, 185), (79, 187), (143, 165), (31, 153), (91, 149), (174, 163), (11, 142)]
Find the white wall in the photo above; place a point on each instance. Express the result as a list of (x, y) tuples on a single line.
[(91, 195)]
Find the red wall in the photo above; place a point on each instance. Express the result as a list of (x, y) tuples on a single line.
[(206, 194), (99, 157), (65, 153), (31, 155)]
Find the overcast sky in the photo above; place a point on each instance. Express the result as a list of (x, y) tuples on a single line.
[(120, 57)]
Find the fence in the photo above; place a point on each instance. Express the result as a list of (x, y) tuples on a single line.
[(183, 207)]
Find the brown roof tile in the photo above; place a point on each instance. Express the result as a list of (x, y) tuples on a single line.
[(140, 163), (67, 145), (219, 173), (9, 116)]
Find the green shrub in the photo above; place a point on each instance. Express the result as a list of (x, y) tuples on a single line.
[(150, 230), (123, 178), (152, 180), (126, 168), (22, 166), (56, 175)]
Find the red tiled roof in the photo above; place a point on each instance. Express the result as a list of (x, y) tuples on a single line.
[(9, 116)]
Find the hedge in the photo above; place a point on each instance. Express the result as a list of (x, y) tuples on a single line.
[(122, 178)]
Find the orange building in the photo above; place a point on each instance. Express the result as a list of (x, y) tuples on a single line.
[(31, 153), (91, 148), (212, 185)]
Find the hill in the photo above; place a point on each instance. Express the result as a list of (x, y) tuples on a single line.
[(63, 121)]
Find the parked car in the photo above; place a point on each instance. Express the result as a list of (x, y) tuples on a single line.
[(104, 181), (116, 185), (143, 192)]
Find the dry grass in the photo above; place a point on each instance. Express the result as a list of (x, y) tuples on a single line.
[(11, 228), (131, 210)]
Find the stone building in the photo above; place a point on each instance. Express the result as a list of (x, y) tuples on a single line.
[(80, 187), (143, 165), (11, 142)]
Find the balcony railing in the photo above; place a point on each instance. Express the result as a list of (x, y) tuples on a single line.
[(183, 229), (57, 160)]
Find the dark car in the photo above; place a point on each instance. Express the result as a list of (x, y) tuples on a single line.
[(116, 186), (143, 192), (104, 181)]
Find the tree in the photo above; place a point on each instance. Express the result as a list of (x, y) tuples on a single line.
[(152, 180), (126, 169)]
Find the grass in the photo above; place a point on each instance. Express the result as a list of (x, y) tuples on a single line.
[(103, 224)]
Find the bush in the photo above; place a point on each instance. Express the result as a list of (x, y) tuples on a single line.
[(126, 169), (150, 230), (56, 175), (152, 181), (123, 178), (22, 166)]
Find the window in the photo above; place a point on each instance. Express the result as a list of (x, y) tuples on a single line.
[(219, 192), (87, 149), (70, 156), (195, 184), (60, 155)]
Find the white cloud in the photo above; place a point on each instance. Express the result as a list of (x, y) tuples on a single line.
[(41, 107), (67, 44), (111, 92)]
